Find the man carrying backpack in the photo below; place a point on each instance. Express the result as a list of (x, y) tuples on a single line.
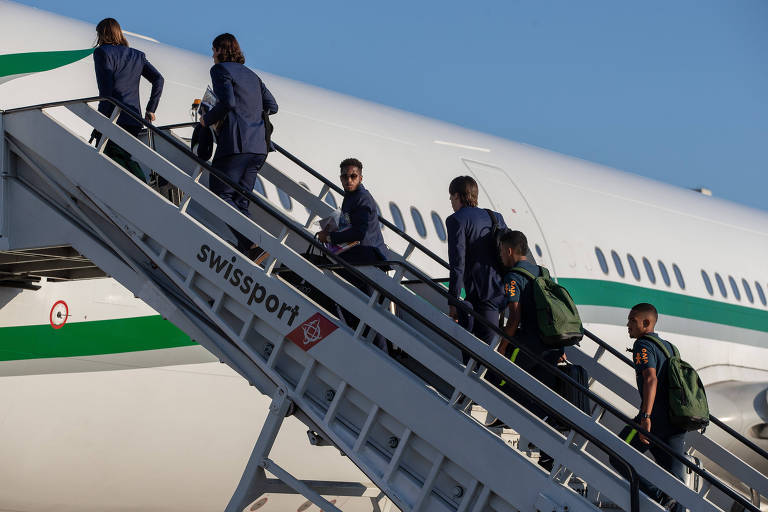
[(651, 356), (472, 257), (522, 322)]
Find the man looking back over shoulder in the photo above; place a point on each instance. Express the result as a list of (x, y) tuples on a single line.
[(472, 257)]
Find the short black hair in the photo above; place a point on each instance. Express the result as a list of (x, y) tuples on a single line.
[(515, 240), (351, 162), (645, 307), (466, 187)]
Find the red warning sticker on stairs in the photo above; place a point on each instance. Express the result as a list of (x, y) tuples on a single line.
[(311, 332)]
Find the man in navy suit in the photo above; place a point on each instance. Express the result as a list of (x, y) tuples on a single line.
[(472, 258), (241, 134), (119, 69)]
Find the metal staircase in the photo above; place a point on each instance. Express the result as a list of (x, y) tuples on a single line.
[(411, 433)]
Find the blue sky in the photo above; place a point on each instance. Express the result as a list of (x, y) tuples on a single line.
[(676, 91)]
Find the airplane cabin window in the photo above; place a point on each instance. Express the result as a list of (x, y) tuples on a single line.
[(439, 228), (633, 267), (617, 263), (421, 229), (734, 287), (760, 293), (721, 285), (649, 270), (707, 282), (539, 251), (601, 260), (664, 273), (748, 291), (397, 217), (258, 187), (285, 199), (678, 276), (330, 200)]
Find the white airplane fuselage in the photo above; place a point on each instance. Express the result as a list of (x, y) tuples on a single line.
[(117, 411)]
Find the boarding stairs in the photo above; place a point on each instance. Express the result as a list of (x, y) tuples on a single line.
[(415, 434)]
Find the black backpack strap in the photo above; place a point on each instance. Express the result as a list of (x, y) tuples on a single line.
[(494, 220)]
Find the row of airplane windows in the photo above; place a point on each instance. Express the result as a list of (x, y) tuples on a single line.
[(633, 267), (649, 271)]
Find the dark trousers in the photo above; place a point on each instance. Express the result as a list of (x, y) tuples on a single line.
[(242, 169), (361, 257), (676, 441)]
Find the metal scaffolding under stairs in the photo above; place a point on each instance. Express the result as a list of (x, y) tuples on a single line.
[(418, 436)]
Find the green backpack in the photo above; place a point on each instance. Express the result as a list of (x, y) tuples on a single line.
[(558, 320), (688, 408)]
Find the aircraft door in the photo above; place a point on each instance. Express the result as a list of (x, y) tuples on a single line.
[(497, 191)]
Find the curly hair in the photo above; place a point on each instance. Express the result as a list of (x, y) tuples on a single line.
[(351, 162), (108, 31), (229, 48)]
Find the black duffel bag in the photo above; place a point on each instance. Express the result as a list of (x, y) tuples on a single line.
[(305, 286)]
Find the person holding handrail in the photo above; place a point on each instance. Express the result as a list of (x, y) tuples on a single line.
[(472, 257), (119, 69), (243, 105)]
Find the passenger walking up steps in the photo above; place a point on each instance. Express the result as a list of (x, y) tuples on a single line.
[(241, 131), (657, 365), (472, 257), (119, 69), (359, 231)]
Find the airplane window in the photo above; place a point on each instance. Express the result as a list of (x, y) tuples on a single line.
[(285, 199), (649, 270), (664, 273), (258, 187), (617, 262), (330, 200), (309, 212), (760, 292), (421, 229), (678, 276), (439, 229), (734, 287), (707, 282), (748, 291), (633, 267), (397, 217), (601, 260), (721, 285), (539, 251)]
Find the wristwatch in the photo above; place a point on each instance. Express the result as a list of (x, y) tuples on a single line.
[(644, 415)]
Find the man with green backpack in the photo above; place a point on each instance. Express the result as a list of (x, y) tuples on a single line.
[(673, 398)]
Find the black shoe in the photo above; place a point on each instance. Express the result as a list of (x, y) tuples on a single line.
[(257, 255)]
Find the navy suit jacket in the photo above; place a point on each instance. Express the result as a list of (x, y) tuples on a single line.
[(360, 214), (242, 97), (118, 72), (471, 258)]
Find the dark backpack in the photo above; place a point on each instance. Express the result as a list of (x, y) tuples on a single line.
[(557, 318), (495, 239), (688, 407)]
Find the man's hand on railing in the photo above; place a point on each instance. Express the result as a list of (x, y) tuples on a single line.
[(454, 313), (149, 116)]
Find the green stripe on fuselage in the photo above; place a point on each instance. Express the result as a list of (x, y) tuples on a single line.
[(34, 62), (90, 338), (152, 332), (620, 295)]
